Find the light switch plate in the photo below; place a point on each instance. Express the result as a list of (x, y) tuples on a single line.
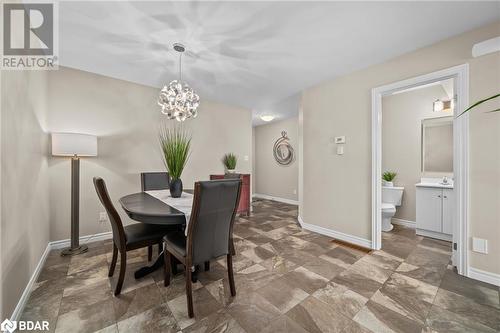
[(340, 150), (340, 139), (480, 245)]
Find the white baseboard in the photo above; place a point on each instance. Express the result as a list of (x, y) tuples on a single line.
[(484, 276), (336, 234), (60, 244), (55, 245), (270, 197), (433, 234), (16, 314), (404, 223)]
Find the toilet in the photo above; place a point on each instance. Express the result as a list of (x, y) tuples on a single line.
[(391, 198)]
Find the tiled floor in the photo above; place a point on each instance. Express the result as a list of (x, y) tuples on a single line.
[(287, 279)]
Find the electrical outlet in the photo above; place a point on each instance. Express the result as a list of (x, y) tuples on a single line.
[(103, 217), (294, 191)]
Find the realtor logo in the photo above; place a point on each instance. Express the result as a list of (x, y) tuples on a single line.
[(29, 36), (8, 326)]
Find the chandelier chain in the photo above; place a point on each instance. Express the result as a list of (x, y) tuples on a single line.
[(180, 66)]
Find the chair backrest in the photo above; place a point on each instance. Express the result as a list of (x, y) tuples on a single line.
[(151, 181), (116, 223), (210, 229), (232, 175)]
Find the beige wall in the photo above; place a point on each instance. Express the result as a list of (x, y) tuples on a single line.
[(24, 227), (125, 117), (254, 175), (402, 116), (337, 189), (272, 178)]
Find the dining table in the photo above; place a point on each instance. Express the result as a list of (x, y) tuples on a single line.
[(159, 208)]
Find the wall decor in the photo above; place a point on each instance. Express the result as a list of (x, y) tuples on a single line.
[(283, 151)]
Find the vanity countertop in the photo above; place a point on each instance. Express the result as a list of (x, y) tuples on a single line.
[(435, 185)]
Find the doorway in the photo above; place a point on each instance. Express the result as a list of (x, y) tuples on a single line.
[(459, 75)]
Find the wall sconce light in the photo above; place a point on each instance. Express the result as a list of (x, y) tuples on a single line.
[(440, 105)]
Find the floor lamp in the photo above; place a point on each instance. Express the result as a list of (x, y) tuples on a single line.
[(74, 145)]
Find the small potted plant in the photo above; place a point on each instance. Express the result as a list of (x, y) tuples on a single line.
[(175, 144), (229, 161), (387, 178)]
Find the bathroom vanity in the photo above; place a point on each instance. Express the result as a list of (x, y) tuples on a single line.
[(435, 202)]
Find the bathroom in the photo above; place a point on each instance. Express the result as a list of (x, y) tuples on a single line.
[(417, 161)]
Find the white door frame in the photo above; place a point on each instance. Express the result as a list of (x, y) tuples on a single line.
[(460, 156)]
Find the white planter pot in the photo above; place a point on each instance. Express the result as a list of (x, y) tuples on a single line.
[(388, 184), (231, 170)]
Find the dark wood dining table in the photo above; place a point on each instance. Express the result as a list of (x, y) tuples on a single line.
[(145, 208)]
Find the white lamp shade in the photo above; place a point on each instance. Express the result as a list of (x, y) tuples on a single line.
[(71, 144)]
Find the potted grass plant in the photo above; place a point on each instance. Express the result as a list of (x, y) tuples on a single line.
[(481, 102), (229, 160), (387, 178), (175, 144)]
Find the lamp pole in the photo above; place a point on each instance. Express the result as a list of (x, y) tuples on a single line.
[(75, 247)]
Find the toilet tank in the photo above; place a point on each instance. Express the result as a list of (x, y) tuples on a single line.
[(392, 195)]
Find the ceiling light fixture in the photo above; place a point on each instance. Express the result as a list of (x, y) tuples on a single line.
[(178, 100), (267, 118)]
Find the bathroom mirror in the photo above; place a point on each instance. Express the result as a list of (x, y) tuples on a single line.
[(437, 145)]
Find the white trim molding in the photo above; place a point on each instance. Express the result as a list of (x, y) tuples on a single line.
[(270, 197), (336, 234), (460, 74), (484, 276), (486, 47), (16, 314), (433, 234), (60, 244), (404, 223)]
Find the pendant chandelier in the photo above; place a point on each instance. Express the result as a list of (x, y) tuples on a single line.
[(178, 100)]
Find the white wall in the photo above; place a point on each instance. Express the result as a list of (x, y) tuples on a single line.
[(24, 227), (337, 189), (273, 179), (402, 116), (125, 117)]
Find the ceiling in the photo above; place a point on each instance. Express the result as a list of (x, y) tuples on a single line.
[(257, 55)]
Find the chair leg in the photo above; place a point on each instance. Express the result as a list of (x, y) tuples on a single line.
[(166, 268), (160, 247), (207, 266), (232, 250), (113, 261), (121, 278), (173, 265), (230, 274), (150, 252), (189, 292)]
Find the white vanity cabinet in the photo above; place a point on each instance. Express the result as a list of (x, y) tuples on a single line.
[(435, 211)]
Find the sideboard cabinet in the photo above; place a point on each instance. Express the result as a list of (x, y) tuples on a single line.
[(244, 205)]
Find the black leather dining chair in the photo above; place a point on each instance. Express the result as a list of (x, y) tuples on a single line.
[(151, 181), (130, 237), (209, 233)]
